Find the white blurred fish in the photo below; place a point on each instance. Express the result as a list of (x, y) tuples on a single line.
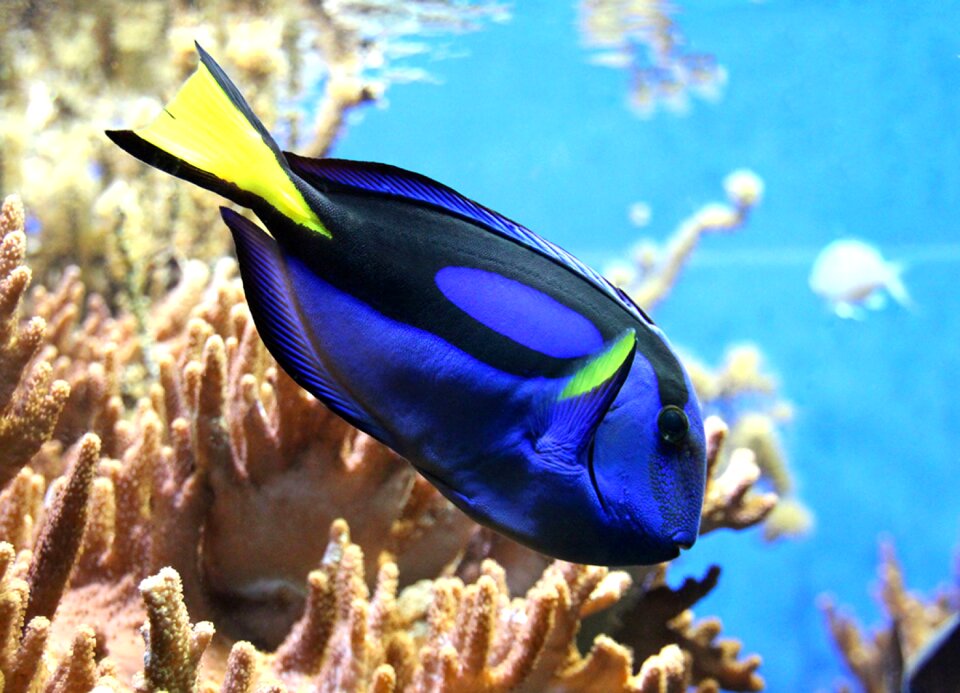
[(852, 275)]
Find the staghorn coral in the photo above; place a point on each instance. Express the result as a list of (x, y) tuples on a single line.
[(663, 615), (878, 661), (743, 394), (730, 500), (642, 37), (30, 399), (202, 495)]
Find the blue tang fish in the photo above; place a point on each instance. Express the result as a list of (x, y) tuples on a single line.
[(531, 392)]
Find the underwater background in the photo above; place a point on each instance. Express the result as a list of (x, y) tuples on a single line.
[(848, 112)]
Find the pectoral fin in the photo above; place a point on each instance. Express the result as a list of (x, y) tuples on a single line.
[(582, 399)]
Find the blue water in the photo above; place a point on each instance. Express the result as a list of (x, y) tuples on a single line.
[(849, 112)]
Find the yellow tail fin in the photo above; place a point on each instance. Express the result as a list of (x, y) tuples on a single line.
[(210, 127)]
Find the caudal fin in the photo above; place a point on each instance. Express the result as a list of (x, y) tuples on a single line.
[(897, 288), (208, 135)]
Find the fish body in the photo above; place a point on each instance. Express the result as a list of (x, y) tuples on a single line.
[(532, 393), (852, 275)]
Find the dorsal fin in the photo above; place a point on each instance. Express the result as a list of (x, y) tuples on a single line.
[(626, 298), (398, 182)]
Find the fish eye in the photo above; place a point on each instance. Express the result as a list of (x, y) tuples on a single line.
[(673, 424)]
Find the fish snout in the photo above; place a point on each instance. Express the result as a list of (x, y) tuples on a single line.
[(684, 539)]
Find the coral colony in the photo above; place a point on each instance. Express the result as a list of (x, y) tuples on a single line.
[(176, 514), (216, 491)]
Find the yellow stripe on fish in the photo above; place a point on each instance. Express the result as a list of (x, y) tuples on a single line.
[(601, 368)]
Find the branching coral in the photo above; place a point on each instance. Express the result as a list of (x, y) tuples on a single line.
[(663, 615), (30, 399), (730, 499), (642, 36), (745, 395), (653, 271), (198, 495), (878, 661)]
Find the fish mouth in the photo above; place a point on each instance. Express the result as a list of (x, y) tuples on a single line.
[(683, 540)]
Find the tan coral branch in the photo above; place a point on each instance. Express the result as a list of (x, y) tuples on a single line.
[(241, 668), (174, 647), (77, 672), (730, 499), (61, 532), (744, 190), (29, 654), (877, 659)]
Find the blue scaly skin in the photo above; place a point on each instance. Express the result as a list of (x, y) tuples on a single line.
[(530, 392)]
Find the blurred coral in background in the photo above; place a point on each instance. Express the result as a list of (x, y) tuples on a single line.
[(642, 37)]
